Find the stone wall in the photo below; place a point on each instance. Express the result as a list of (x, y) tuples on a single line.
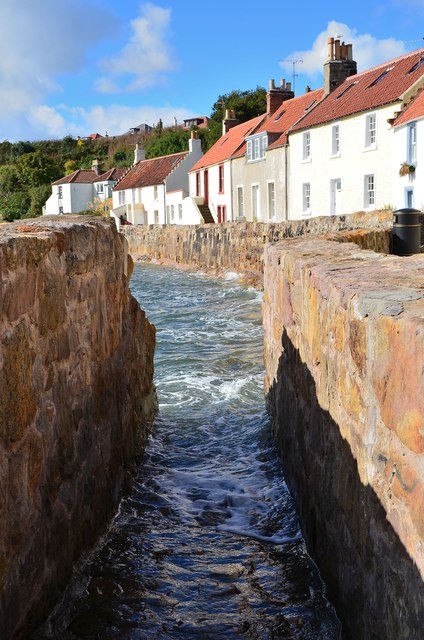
[(76, 368), (239, 246), (344, 357)]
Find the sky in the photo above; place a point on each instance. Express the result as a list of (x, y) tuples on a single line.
[(75, 67)]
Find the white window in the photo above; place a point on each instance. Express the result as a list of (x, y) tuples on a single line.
[(306, 196), (60, 192), (255, 202), (240, 202), (412, 142), (172, 212), (306, 145), (60, 211), (335, 140), (271, 200), (409, 198), (256, 148), (180, 211), (369, 191), (156, 216), (121, 197), (100, 187), (167, 213), (249, 154), (370, 130), (155, 192)]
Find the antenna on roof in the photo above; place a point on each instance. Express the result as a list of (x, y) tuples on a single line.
[(294, 74)]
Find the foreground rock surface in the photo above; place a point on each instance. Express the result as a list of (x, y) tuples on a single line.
[(344, 357), (76, 371)]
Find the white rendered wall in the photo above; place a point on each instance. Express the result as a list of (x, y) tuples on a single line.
[(413, 181), (354, 162), (260, 172)]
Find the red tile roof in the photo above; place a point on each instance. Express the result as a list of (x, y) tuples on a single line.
[(150, 172), (370, 89), (286, 116), (79, 176), (228, 144), (412, 111), (114, 174)]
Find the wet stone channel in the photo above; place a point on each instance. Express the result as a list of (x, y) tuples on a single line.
[(207, 545)]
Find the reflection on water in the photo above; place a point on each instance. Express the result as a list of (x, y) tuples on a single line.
[(207, 545)]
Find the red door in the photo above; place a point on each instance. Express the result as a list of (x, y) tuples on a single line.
[(206, 186)]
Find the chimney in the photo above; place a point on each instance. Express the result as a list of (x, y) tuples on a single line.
[(95, 166), (194, 143), (229, 121), (139, 153), (277, 95), (339, 65)]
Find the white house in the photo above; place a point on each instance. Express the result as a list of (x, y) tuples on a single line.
[(210, 179), (155, 191), (75, 192), (341, 152), (408, 155), (259, 166)]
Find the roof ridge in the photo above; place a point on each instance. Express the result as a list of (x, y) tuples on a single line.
[(382, 65)]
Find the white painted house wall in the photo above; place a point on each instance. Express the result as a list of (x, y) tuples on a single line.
[(215, 197), (408, 190), (75, 198), (326, 171), (260, 173)]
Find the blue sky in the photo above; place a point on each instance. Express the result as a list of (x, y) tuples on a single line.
[(83, 66)]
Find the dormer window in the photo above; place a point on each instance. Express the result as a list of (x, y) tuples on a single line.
[(256, 147)]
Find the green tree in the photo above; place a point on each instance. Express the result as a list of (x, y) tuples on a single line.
[(246, 104), (70, 166), (36, 169), (38, 197), (9, 179), (165, 142), (14, 205)]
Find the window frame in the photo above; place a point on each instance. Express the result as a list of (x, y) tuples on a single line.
[(306, 146), (221, 184), (411, 153), (370, 131), (335, 140), (306, 198), (369, 194), (271, 200)]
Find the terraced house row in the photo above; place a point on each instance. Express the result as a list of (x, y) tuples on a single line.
[(355, 144)]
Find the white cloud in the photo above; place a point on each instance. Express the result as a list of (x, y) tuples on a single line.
[(113, 120), (368, 51), (39, 42), (146, 58)]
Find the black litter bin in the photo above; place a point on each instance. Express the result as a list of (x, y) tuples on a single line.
[(406, 232)]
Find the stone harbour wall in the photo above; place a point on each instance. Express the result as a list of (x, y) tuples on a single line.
[(344, 358), (239, 246), (77, 397)]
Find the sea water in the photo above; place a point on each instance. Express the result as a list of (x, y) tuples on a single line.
[(207, 545)]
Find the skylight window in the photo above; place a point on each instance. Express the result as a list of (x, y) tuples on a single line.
[(310, 105), (346, 90), (380, 77), (417, 65), (279, 115)]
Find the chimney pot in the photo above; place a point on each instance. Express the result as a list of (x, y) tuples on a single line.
[(283, 83), (288, 86), (337, 49), (271, 84), (330, 55), (307, 88)]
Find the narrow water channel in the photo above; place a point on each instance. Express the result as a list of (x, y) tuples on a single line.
[(208, 544)]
